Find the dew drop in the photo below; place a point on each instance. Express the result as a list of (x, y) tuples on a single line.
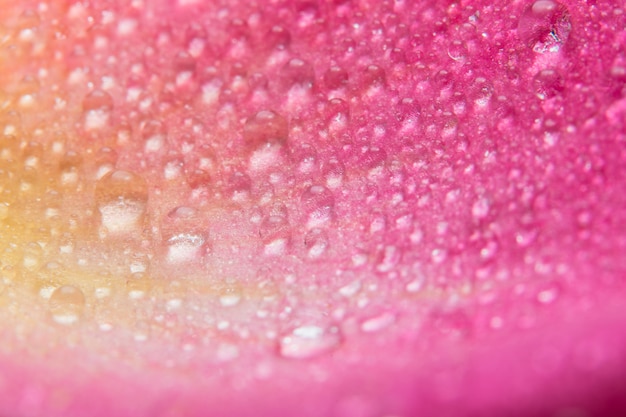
[(457, 50), (378, 323), (547, 83), (67, 304), (185, 240), (480, 209), (97, 107), (230, 296), (545, 26), (390, 257), (297, 73), (265, 127), (275, 233), (121, 199), (317, 204), (184, 247), (309, 341), (335, 78), (316, 243)]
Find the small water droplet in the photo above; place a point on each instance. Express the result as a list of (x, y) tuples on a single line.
[(185, 239), (548, 83), (317, 204), (67, 304), (230, 296), (265, 127), (33, 256), (457, 50), (309, 341), (97, 107), (275, 232), (548, 294), (316, 243), (378, 323), (480, 209), (121, 199), (389, 258), (335, 78)]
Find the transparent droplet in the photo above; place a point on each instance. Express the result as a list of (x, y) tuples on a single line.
[(309, 341), (316, 243), (230, 296), (338, 115), (33, 256), (67, 304), (378, 323), (480, 209), (97, 107), (239, 185), (389, 258), (335, 78), (457, 50), (121, 199), (333, 171), (548, 83), (265, 127), (317, 204), (545, 26), (549, 293), (277, 37), (184, 248), (297, 74), (154, 135), (275, 232), (186, 240)]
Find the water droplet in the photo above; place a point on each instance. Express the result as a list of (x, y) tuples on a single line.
[(390, 257), (277, 37), (545, 26), (97, 107), (184, 247), (480, 209), (299, 73), (154, 135), (121, 199), (185, 239), (265, 127), (548, 83), (549, 293), (309, 341), (275, 233), (230, 296), (67, 304), (317, 204), (316, 243), (338, 115), (335, 78), (333, 171), (378, 323), (457, 50)]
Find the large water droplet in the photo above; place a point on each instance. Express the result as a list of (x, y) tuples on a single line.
[(121, 199), (309, 341), (545, 26), (67, 304)]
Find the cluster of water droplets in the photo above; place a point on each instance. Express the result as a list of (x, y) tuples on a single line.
[(400, 165)]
